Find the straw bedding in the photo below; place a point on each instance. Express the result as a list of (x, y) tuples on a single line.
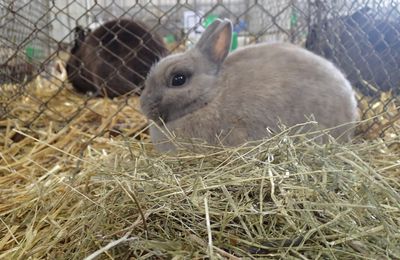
[(84, 182)]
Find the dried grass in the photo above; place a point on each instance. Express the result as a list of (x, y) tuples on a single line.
[(380, 115), (93, 187)]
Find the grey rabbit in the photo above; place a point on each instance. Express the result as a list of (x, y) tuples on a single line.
[(207, 94)]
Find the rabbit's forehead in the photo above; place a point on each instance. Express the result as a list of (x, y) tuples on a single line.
[(172, 64)]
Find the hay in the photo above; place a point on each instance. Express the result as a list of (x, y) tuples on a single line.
[(380, 116), (92, 186), (317, 201)]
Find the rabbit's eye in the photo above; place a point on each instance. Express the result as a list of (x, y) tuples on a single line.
[(178, 79)]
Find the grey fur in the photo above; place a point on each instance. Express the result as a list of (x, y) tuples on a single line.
[(236, 99)]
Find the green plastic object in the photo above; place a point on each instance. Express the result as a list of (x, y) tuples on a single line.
[(209, 20), (234, 44), (169, 38), (33, 53), (293, 19)]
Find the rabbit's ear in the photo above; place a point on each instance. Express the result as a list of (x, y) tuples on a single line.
[(216, 41), (209, 31)]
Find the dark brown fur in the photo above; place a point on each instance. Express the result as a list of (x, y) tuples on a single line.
[(114, 59), (365, 47)]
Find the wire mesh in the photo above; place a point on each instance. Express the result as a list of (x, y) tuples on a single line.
[(38, 37)]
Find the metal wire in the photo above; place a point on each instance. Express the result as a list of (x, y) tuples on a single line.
[(360, 37)]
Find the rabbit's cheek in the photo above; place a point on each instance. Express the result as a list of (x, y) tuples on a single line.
[(150, 104), (154, 113)]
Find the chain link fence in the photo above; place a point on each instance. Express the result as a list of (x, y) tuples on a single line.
[(41, 54)]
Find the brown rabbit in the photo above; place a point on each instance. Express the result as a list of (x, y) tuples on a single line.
[(207, 94), (114, 59)]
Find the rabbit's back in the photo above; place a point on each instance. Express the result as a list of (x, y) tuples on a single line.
[(267, 82)]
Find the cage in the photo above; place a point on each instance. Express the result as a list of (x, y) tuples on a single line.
[(43, 112)]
